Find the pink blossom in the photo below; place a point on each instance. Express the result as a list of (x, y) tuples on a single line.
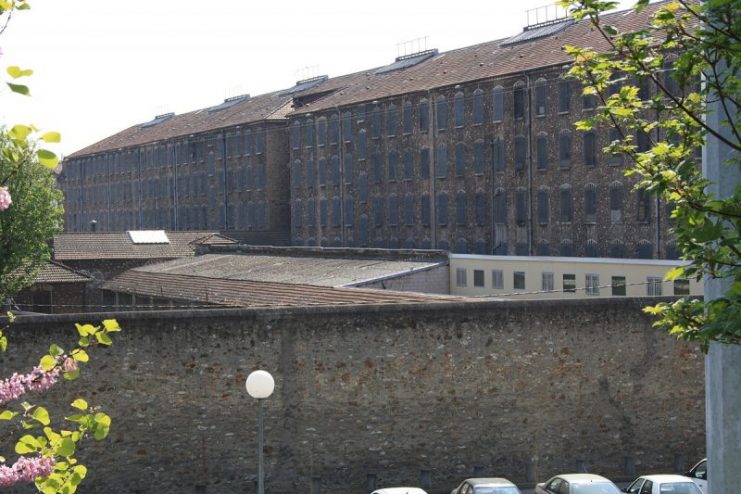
[(69, 365), (26, 470), (5, 200), (19, 384)]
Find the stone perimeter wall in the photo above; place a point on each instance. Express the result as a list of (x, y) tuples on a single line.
[(406, 394)]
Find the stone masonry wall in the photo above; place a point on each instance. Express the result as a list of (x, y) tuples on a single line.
[(402, 393)]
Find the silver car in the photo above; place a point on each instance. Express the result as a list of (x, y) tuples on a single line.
[(489, 485), (577, 483), (663, 484)]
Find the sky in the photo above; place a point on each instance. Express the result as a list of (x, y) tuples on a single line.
[(101, 66)]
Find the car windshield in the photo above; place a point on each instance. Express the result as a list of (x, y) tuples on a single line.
[(595, 488), (679, 488), (497, 490)]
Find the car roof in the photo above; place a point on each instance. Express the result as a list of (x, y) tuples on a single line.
[(661, 478), (489, 481), (399, 490), (582, 478)]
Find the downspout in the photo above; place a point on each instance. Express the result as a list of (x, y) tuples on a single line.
[(139, 183), (657, 200), (225, 181), (529, 123), (174, 155), (341, 165), (433, 166)]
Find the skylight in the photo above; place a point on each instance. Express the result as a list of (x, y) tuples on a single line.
[(148, 237)]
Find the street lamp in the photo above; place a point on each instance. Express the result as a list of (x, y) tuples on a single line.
[(260, 385)]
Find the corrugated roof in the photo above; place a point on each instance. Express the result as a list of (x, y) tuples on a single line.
[(286, 269), (266, 107), (479, 62), (54, 272), (114, 245), (242, 293)]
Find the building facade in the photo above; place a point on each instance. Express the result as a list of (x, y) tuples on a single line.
[(472, 151)]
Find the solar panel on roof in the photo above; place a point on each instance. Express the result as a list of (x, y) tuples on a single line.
[(407, 61), (158, 120), (229, 102), (148, 237), (305, 84), (538, 32)]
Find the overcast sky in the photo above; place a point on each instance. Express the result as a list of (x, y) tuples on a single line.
[(104, 65)]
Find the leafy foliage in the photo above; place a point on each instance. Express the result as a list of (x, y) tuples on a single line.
[(686, 43)]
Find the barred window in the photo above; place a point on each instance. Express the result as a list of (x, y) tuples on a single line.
[(393, 164), (478, 106), (478, 278), (653, 286), (424, 163), (520, 152), (461, 208), (616, 202), (518, 280), (564, 95), (497, 154), (362, 146), (406, 116), (441, 161), (518, 96), (546, 282), (408, 165), (618, 286), (441, 108), (542, 150), (566, 203), (442, 208), (460, 159), (591, 284), (564, 149), (497, 104), (478, 157), (480, 208), (590, 204), (543, 207), (590, 149), (424, 115), (458, 109), (392, 120), (569, 283), (540, 97), (460, 277), (497, 279)]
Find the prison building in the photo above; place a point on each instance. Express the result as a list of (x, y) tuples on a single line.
[(472, 150)]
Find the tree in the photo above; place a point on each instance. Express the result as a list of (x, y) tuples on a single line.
[(655, 86), (30, 214)]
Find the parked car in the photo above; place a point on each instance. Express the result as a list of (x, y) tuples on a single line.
[(699, 475), (399, 490), (489, 485), (663, 484), (577, 483)]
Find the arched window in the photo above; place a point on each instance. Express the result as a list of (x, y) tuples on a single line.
[(310, 173), (671, 250), (644, 250), (362, 146), (564, 95), (409, 209), (461, 208), (378, 211), (347, 126), (394, 243), (349, 211), (424, 163), (643, 205), (443, 245), (441, 161), (479, 151), (521, 206), (566, 248), (520, 152), (441, 109), (323, 211), (297, 214), (617, 249), (566, 204), (540, 97), (480, 208), (408, 165), (392, 120), (615, 158), (334, 129), (406, 117), (458, 109), (478, 106), (616, 202), (589, 101), (442, 208), (363, 230), (590, 149), (348, 168), (296, 134), (518, 96), (461, 246), (541, 146), (393, 164), (322, 171), (481, 247), (410, 243), (377, 167), (543, 206), (335, 162), (497, 154), (460, 159), (500, 206), (564, 149), (497, 104), (336, 211), (321, 132), (363, 187), (591, 249), (296, 175), (543, 249), (590, 204), (393, 210), (308, 132), (424, 115), (311, 213)]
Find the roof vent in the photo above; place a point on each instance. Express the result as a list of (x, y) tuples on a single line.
[(148, 237), (229, 102), (406, 61), (158, 120), (541, 22), (305, 84)]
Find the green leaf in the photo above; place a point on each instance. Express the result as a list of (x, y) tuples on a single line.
[(85, 329), (65, 447), (52, 137), (27, 444), (84, 342), (80, 404), (3, 343), (55, 350), (7, 415), (675, 273), (19, 88), (15, 72), (80, 355), (72, 375), (103, 338), (48, 362), (41, 415), (111, 325), (47, 158), (20, 132)]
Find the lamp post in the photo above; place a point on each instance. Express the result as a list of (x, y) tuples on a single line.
[(260, 385)]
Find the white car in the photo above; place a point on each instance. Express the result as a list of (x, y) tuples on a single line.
[(577, 483), (489, 485), (699, 475), (399, 490), (663, 484)]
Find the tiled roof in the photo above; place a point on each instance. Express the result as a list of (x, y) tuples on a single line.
[(271, 106), (114, 245), (54, 272), (286, 269), (242, 293), (479, 62)]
